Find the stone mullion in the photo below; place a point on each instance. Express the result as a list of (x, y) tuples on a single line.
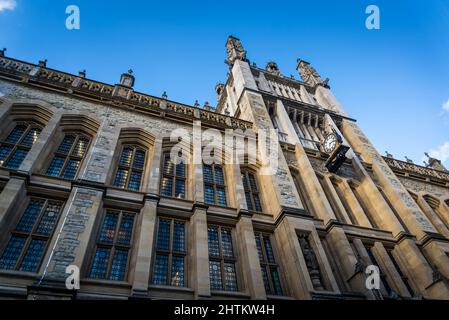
[(286, 123), (98, 161), (155, 174), (433, 217), (294, 266), (321, 206), (389, 268), (199, 253), (249, 258), (330, 187), (354, 204), (346, 259), (444, 212), (197, 164), (144, 247), (236, 189)]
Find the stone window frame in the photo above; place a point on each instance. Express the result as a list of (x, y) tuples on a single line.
[(18, 145), (131, 168), (267, 265), (69, 156), (32, 235), (170, 253), (223, 260), (259, 192), (25, 112), (173, 177), (216, 185), (113, 246), (368, 245), (405, 279)]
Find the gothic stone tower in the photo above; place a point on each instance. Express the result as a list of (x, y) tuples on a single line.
[(355, 210)]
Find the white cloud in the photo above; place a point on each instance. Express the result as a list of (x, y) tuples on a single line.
[(445, 106), (7, 5), (441, 152)]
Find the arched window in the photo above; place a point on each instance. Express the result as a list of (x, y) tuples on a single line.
[(214, 185), (251, 191), (19, 142), (31, 236), (173, 182), (130, 167), (69, 156)]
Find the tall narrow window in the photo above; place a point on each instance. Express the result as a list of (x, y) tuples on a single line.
[(173, 183), (69, 156), (15, 148), (221, 259), (28, 242), (130, 168), (401, 274), (383, 277), (251, 191), (169, 263), (270, 269), (113, 246), (214, 185)]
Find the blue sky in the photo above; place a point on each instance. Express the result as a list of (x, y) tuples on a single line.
[(394, 81)]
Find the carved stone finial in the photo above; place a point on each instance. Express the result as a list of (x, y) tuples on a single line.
[(43, 63), (309, 75), (127, 79), (207, 106), (272, 67), (234, 50), (196, 104), (389, 155), (434, 163), (408, 160), (82, 74), (2, 52), (164, 95)]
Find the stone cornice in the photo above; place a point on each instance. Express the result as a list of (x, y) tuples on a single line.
[(120, 96), (403, 168)]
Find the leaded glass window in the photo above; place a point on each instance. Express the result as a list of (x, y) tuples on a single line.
[(222, 270), (169, 262), (173, 182), (214, 185), (28, 241), (16, 146), (114, 244), (130, 168), (251, 191), (270, 269), (68, 157)]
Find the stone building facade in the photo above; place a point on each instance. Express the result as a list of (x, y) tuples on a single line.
[(86, 180)]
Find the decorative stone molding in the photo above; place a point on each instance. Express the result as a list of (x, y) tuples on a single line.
[(410, 168), (63, 82)]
